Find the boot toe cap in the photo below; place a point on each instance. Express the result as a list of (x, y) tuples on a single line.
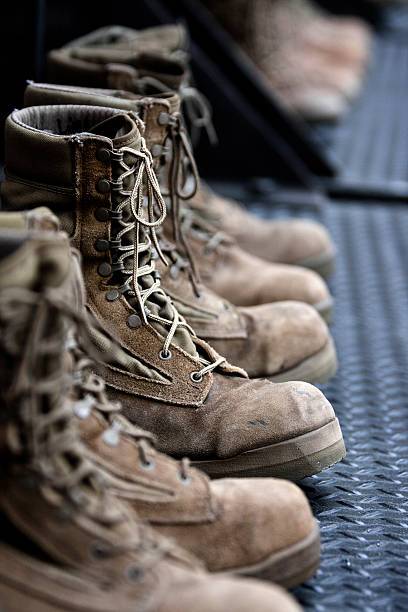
[(262, 516), (285, 282), (282, 335)]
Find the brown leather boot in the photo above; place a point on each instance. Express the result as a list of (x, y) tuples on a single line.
[(224, 267), (85, 61), (290, 241), (91, 165), (282, 341), (177, 500), (66, 542), (312, 74)]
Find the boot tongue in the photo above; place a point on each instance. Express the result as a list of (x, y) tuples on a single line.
[(124, 132)]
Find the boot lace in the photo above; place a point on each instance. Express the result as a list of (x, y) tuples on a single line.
[(40, 425), (92, 394), (186, 220), (137, 242)]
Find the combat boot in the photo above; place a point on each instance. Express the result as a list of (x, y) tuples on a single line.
[(112, 57), (281, 341), (282, 543), (91, 165), (66, 542)]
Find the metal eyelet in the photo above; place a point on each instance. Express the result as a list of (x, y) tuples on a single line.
[(83, 407), (103, 155), (133, 321), (163, 118), (101, 244), (111, 437), (174, 272), (147, 465), (103, 186), (102, 214), (165, 355), (184, 479), (156, 150), (196, 377), (134, 573), (98, 550), (105, 269), (112, 295)]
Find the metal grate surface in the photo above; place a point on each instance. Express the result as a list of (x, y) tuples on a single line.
[(362, 503), (370, 143)]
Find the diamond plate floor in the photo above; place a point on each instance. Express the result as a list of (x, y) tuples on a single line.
[(362, 503), (370, 143)]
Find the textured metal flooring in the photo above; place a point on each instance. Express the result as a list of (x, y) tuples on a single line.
[(370, 143), (362, 503)]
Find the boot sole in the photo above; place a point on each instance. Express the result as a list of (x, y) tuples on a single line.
[(323, 263), (316, 369), (292, 459), (325, 309), (288, 567)]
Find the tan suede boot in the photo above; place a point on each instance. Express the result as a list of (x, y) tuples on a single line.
[(92, 166), (305, 69), (297, 242), (177, 500), (290, 241), (282, 341), (347, 35), (248, 280), (66, 541)]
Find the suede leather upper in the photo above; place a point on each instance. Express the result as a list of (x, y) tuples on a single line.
[(263, 340), (202, 419)]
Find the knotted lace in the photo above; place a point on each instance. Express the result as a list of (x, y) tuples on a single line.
[(135, 189), (181, 165), (186, 221), (40, 422), (199, 113)]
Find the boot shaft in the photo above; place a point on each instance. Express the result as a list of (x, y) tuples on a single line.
[(97, 184)]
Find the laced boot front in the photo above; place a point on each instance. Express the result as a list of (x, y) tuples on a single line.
[(168, 380), (60, 524), (176, 499), (281, 341), (87, 61), (66, 542)]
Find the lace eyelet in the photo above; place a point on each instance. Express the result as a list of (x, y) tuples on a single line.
[(103, 186), (103, 155), (112, 295), (135, 574), (184, 479), (98, 550), (147, 465), (165, 355), (174, 272), (196, 377), (156, 150), (163, 119), (111, 437), (104, 269)]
